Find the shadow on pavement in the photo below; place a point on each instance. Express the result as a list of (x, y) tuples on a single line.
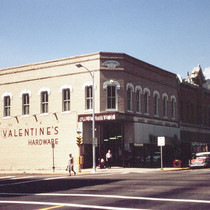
[(47, 186)]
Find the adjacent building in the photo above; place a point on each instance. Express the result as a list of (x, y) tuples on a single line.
[(194, 109)]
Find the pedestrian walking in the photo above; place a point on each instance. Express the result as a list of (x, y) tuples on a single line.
[(70, 166)]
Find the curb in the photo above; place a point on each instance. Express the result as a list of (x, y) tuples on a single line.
[(88, 171)]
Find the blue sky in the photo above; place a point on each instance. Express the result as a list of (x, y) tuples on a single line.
[(171, 34)]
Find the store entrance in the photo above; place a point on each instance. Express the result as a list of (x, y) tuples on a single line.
[(111, 139)]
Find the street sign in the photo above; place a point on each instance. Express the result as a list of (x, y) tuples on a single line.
[(161, 143), (95, 142), (161, 140)]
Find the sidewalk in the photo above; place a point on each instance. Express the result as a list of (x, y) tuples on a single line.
[(114, 169)]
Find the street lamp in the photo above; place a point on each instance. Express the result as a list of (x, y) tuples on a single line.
[(79, 65)]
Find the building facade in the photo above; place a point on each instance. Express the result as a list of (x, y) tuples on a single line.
[(45, 104), (194, 109)]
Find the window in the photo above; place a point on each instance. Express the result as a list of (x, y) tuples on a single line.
[(165, 105), (173, 103), (111, 88), (44, 102), (111, 97), (25, 96), (146, 103), (25, 103), (146, 93), (89, 97), (138, 91), (66, 90), (129, 98), (156, 104), (44, 92), (130, 89), (66, 100), (138, 101), (156, 96), (6, 106)]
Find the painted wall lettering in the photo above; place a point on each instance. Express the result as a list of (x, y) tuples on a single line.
[(42, 141), (8, 133)]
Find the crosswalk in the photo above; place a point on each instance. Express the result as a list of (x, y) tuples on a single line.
[(20, 179)]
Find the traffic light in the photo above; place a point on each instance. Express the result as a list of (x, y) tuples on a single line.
[(79, 141)]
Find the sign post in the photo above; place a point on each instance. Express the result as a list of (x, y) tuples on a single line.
[(53, 153), (161, 143)]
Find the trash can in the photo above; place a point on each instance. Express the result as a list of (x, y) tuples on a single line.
[(177, 163)]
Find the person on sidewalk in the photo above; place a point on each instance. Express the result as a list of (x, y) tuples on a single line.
[(109, 159), (70, 166)]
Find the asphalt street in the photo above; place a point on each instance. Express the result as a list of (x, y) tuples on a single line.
[(183, 189)]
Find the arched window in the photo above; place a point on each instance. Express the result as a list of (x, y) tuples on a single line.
[(138, 91), (6, 97), (25, 95), (66, 97), (111, 88), (156, 96), (88, 95), (44, 92), (146, 93), (173, 106), (165, 104), (130, 89)]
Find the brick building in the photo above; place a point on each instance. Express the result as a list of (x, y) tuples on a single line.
[(45, 104), (194, 109)]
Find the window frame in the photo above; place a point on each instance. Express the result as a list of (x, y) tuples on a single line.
[(89, 97), (165, 105), (25, 106), (146, 103), (66, 100), (44, 102), (156, 104), (110, 99), (7, 106), (129, 99), (117, 87), (173, 107), (138, 101), (130, 90)]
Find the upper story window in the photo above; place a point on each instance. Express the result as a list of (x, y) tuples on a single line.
[(111, 97), (138, 91), (165, 104), (173, 106), (66, 97), (25, 95), (66, 100), (44, 102), (44, 92), (156, 96), (7, 106), (111, 88), (130, 89), (25, 102), (146, 100), (6, 97), (89, 97), (87, 87), (129, 98)]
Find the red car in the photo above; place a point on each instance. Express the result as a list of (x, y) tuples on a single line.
[(202, 159)]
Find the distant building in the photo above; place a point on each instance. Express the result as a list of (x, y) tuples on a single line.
[(194, 112), (45, 104)]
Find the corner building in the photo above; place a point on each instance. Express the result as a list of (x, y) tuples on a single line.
[(45, 104)]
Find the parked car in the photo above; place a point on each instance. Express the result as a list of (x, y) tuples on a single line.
[(202, 159), (156, 158)]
